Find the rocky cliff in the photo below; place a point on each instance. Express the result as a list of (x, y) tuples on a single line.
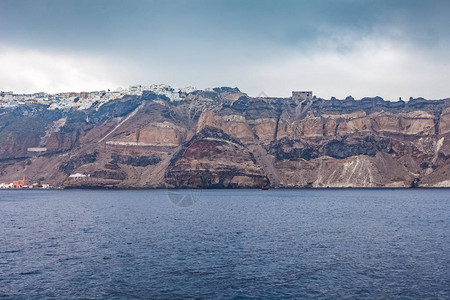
[(226, 139)]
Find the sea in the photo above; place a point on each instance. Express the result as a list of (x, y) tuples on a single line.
[(225, 244)]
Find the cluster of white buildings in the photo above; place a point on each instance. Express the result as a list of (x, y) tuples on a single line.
[(85, 100), (11, 185)]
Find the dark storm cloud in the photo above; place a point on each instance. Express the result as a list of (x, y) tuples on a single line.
[(166, 36), (117, 24)]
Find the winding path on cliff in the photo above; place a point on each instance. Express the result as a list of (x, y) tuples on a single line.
[(263, 159), (121, 122), (158, 174), (304, 110)]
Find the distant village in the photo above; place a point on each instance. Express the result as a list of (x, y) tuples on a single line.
[(25, 184), (84, 100)]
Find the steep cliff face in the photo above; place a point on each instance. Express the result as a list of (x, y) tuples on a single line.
[(213, 158), (224, 139)]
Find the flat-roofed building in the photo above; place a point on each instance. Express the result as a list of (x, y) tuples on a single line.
[(302, 95), (37, 149)]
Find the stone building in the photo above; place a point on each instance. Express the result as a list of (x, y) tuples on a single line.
[(302, 95)]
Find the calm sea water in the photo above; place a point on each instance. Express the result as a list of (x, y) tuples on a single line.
[(331, 244)]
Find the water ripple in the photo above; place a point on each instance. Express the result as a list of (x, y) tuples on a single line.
[(325, 244)]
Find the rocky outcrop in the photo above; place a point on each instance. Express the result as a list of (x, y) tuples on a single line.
[(213, 159), (75, 162), (114, 175), (135, 161), (223, 138)]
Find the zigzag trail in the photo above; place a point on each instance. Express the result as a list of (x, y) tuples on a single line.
[(121, 122)]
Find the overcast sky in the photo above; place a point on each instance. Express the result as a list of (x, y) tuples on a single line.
[(395, 48)]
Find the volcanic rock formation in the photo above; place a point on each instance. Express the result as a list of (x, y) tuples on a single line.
[(226, 139)]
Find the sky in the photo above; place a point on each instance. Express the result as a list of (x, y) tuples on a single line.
[(392, 49)]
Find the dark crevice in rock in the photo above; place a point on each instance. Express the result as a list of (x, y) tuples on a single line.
[(135, 161), (75, 162)]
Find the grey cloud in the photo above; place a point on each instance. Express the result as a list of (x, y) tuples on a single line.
[(115, 24), (208, 41)]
